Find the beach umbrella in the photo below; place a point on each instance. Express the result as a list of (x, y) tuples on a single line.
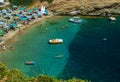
[(30, 11), (34, 14), (8, 14), (18, 15), (7, 27), (15, 6), (4, 11), (35, 9), (15, 11), (13, 24), (22, 8), (39, 13), (29, 17), (2, 23), (46, 11), (24, 13), (23, 18)]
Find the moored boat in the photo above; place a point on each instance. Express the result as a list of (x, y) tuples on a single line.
[(56, 41), (104, 39), (59, 56), (75, 20), (112, 18), (29, 63)]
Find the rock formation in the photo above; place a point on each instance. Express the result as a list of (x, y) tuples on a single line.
[(86, 7)]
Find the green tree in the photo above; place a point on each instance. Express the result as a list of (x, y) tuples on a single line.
[(15, 76), (21, 2), (49, 1), (3, 70), (42, 78)]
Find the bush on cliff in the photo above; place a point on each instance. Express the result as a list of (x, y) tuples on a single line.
[(14, 75), (3, 70)]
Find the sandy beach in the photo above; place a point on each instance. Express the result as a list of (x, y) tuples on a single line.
[(7, 37)]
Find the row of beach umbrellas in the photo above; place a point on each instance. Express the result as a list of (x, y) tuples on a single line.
[(19, 13)]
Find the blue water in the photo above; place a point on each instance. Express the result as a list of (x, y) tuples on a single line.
[(91, 50), (91, 56)]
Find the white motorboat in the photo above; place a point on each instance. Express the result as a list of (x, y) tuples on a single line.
[(75, 20), (56, 41), (112, 18)]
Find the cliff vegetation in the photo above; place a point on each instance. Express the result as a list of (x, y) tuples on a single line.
[(14, 75)]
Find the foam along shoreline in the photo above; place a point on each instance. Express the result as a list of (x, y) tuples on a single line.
[(10, 34)]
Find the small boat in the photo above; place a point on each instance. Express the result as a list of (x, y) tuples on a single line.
[(112, 18), (75, 20), (56, 41), (104, 39), (59, 56), (29, 63)]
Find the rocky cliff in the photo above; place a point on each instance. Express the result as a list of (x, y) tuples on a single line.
[(86, 7)]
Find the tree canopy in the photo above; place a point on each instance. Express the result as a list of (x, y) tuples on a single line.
[(26, 2), (21, 2), (14, 75), (49, 1)]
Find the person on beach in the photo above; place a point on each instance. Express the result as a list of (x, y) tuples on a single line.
[(3, 47), (63, 27)]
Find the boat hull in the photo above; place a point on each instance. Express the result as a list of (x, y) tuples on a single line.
[(59, 56), (30, 63), (75, 21), (112, 18)]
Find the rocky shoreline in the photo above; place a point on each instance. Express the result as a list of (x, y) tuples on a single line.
[(85, 7)]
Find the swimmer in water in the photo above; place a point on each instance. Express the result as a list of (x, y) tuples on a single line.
[(11, 48)]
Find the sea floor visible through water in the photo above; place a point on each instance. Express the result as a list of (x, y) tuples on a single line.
[(90, 50)]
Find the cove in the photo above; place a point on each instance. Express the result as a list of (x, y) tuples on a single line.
[(32, 45)]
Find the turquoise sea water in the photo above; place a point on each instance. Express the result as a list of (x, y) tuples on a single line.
[(33, 45), (91, 50)]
